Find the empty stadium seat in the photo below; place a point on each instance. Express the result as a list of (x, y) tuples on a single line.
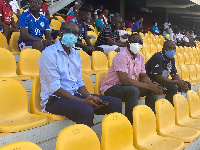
[(15, 18), (117, 133), (145, 135), (187, 59), (154, 49), (178, 70), (185, 75), (100, 76), (165, 118), (3, 41), (181, 60), (77, 137), (20, 145), (56, 24), (88, 83), (86, 63), (147, 56), (28, 62), (193, 74), (8, 66), (13, 47), (182, 113), (198, 70), (35, 99), (99, 61), (194, 104), (192, 59), (159, 47), (146, 48), (111, 55), (14, 108), (60, 18)]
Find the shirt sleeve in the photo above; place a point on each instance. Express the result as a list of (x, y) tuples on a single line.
[(174, 70), (120, 63), (137, 24), (48, 67), (98, 23), (47, 26), (22, 22), (108, 32), (156, 65), (143, 70)]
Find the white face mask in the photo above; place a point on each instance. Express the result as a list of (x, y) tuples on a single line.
[(135, 47)]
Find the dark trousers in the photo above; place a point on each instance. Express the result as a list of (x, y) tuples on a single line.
[(80, 112), (130, 95), (171, 90)]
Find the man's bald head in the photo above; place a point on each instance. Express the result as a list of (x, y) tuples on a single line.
[(70, 25)]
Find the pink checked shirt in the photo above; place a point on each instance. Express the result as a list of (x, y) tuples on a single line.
[(123, 62)]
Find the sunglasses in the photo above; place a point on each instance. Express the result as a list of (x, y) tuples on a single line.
[(68, 30)]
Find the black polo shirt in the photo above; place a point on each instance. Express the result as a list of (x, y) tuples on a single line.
[(157, 64)]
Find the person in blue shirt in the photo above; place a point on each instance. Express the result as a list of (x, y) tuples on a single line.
[(62, 89), (33, 26), (154, 29), (99, 22), (137, 27)]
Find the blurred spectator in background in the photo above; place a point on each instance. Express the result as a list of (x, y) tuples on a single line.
[(96, 12), (123, 33), (75, 12), (15, 8), (137, 27), (77, 2), (105, 16), (99, 22), (130, 23), (154, 29)]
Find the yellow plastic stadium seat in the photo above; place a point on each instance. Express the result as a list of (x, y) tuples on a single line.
[(150, 41), (154, 49), (129, 29), (176, 59), (96, 30), (92, 41), (185, 75), (77, 137), (3, 41), (155, 41), (187, 59), (192, 59), (91, 26), (14, 108), (92, 33), (86, 63), (182, 113), (35, 107), (88, 83), (21, 10), (28, 62), (159, 47), (194, 104), (144, 40), (117, 133), (165, 118), (99, 61), (100, 76), (8, 66), (148, 56), (196, 57), (144, 132), (56, 24), (181, 60), (13, 47), (146, 48), (60, 18), (111, 55), (15, 18), (193, 74), (178, 70), (21, 145), (129, 32), (198, 70), (178, 50)]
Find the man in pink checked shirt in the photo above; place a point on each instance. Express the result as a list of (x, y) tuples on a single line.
[(121, 80)]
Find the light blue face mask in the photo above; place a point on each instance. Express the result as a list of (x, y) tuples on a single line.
[(170, 54), (69, 39)]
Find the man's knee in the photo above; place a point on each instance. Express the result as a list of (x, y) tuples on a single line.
[(132, 90), (188, 84), (171, 88)]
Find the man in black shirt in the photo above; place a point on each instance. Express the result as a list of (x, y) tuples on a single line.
[(161, 65)]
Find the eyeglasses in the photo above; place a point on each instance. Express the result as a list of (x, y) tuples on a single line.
[(68, 30)]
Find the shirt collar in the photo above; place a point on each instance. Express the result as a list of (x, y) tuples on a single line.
[(60, 48), (163, 57)]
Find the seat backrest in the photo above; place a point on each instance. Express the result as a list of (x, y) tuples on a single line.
[(7, 63), (187, 59), (100, 76), (35, 98), (56, 24), (185, 74), (60, 18), (144, 124), (15, 18), (99, 61), (193, 72), (181, 60), (146, 48), (154, 49), (88, 83), (28, 62), (3, 41), (148, 56), (85, 60), (13, 47), (193, 101), (117, 132), (13, 99), (192, 59), (159, 47), (77, 137), (181, 107), (198, 70), (165, 115), (21, 145), (111, 55)]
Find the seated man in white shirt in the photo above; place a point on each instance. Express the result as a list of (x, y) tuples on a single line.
[(62, 89)]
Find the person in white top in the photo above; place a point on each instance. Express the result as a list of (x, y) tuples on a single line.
[(15, 7), (105, 16), (123, 33), (95, 12)]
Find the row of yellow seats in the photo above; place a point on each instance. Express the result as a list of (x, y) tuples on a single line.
[(151, 48), (168, 129), (187, 50), (190, 73), (27, 64), (186, 59), (154, 41)]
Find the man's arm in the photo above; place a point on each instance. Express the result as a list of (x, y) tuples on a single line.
[(47, 34), (111, 42), (144, 78), (87, 40), (25, 36), (13, 24), (2, 23)]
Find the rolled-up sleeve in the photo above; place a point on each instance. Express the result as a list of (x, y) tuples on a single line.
[(48, 68)]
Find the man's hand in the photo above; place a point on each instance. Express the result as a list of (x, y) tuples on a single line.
[(92, 101), (90, 48), (156, 89), (182, 86), (47, 42)]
